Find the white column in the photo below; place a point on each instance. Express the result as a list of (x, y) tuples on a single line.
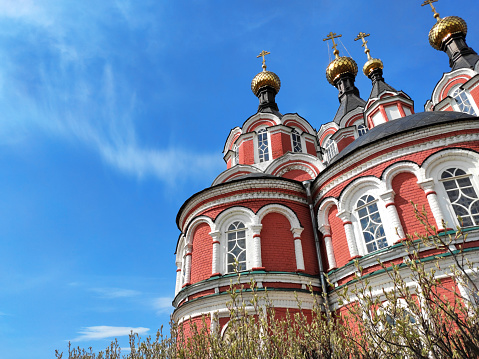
[(178, 277), (257, 261), (216, 261), (326, 231), (188, 250), (393, 216), (348, 229), (298, 248), (431, 195)]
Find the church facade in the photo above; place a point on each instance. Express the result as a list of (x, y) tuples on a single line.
[(296, 203)]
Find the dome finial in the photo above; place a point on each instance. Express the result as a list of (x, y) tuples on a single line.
[(371, 64), (263, 54), (332, 36), (429, 2)]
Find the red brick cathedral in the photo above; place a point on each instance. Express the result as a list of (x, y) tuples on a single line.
[(295, 203)]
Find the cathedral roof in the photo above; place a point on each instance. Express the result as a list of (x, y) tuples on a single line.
[(400, 125)]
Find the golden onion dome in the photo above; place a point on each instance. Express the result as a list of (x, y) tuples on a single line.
[(265, 78), (372, 65), (444, 28), (339, 66)]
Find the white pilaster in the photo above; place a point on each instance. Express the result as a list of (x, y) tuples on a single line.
[(178, 277), (428, 188), (216, 261), (188, 251), (393, 216), (345, 216), (298, 248), (326, 231), (257, 261)]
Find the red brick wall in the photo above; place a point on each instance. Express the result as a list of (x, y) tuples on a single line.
[(277, 246), (297, 175), (248, 152), (344, 142), (201, 257), (310, 148), (338, 237), (406, 188), (475, 95)]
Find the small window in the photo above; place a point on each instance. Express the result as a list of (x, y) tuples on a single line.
[(236, 245), (331, 149), (462, 101), (236, 156), (263, 148), (371, 224), (296, 141), (462, 195), (362, 129)]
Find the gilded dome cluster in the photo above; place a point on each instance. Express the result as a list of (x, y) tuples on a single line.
[(444, 28), (339, 66), (265, 78), (372, 65)]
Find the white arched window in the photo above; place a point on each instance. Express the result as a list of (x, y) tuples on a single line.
[(371, 224), (362, 129), (236, 246), (462, 101), (462, 195), (331, 149), (296, 138), (263, 147)]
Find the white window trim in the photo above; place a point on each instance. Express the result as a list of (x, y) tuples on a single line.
[(390, 232), (326, 140), (469, 97), (301, 140), (256, 145), (224, 242), (446, 206)]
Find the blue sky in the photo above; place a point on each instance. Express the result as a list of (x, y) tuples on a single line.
[(114, 112)]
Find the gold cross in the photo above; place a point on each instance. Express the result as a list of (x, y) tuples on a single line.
[(429, 2), (362, 36), (332, 36), (263, 54)]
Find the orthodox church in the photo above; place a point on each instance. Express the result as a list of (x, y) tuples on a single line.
[(295, 203)]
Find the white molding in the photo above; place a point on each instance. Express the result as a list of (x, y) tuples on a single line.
[(231, 171), (420, 134), (281, 209), (448, 76), (259, 116), (226, 189)]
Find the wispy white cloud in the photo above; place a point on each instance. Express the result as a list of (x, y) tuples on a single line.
[(111, 293), (77, 92), (162, 305), (103, 332)]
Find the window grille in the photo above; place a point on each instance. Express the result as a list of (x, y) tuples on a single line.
[(236, 245), (331, 149), (462, 195), (263, 148), (463, 101), (296, 141), (362, 129), (371, 224)]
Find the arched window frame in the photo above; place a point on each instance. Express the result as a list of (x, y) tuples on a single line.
[(367, 203), (463, 101), (330, 147), (296, 141), (434, 170), (259, 154), (348, 203), (222, 223)]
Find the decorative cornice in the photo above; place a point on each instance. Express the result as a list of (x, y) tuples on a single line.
[(410, 148), (194, 206)]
